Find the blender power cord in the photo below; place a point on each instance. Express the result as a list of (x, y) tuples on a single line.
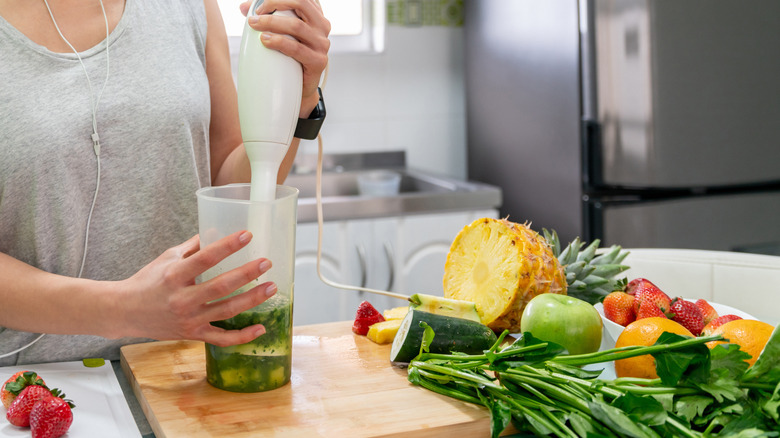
[(320, 225), (319, 238)]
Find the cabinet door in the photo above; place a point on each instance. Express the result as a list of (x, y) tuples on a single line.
[(373, 262), (314, 301), (422, 246)]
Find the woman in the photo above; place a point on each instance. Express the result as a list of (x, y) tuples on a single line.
[(103, 143)]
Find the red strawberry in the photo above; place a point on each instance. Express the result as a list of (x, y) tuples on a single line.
[(16, 383), (19, 412), (712, 325), (365, 317), (645, 291), (707, 311), (638, 283), (648, 310), (688, 315), (51, 417), (619, 308)]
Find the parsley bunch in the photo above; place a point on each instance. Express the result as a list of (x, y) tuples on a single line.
[(537, 387)]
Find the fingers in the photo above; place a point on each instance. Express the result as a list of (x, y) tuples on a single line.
[(207, 294), (244, 7), (277, 26), (230, 307), (310, 29), (224, 338), (197, 262), (307, 10), (188, 247)]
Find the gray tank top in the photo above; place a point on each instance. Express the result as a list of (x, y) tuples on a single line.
[(153, 122)]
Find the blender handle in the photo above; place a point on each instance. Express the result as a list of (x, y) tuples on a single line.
[(361, 251), (390, 265)]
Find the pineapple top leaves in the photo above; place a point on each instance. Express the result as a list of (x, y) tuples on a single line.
[(590, 274)]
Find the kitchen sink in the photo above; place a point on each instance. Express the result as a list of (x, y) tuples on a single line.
[(419, 192)]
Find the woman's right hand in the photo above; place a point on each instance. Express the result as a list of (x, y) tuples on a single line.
[(162, 301)]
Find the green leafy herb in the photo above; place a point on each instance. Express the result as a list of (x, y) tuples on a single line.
[(532, 384)]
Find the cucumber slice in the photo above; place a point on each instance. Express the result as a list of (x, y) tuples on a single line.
[(452, 335), (444, 306)]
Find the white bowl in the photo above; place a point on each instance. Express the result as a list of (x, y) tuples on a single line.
[(614, 329), (379, 183)]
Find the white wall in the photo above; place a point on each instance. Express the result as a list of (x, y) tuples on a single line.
[(411, 97)]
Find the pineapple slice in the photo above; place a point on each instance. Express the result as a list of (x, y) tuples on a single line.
[(395, 313), (384, 332), (500, 266)]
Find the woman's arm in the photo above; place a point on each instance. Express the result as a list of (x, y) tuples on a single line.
[(161, 301), (229, 162)]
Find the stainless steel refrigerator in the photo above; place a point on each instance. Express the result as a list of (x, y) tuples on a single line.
[(645, 123)]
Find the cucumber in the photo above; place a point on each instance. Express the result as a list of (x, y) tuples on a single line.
[(444, 306), (452, 335)]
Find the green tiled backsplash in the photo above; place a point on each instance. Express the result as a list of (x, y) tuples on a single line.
[(414, 13)]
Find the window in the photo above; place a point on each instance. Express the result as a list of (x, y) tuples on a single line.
[(356, 25)]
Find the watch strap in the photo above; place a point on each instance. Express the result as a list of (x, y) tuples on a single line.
[(309, 128)]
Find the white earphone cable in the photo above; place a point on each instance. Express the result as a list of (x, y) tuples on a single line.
[(94, 102), (95, 145)]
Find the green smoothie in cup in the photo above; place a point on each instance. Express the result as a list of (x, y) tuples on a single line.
[(262, 364)]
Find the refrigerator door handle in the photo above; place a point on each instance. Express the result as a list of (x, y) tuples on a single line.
[(592, 171), (621, 194)]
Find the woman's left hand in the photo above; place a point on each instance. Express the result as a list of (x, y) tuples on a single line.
[(311, 43)]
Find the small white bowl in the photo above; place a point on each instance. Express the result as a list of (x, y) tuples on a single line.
[(614, 329), (379, 183)]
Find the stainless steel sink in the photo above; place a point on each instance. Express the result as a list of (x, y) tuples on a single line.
[(420, 192)]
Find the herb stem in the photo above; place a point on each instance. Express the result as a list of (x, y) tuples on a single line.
[(562, 431), (557, 392), (471, 377), (684, 430), (633, 351)]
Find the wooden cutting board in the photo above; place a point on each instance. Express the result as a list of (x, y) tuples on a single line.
[(342, 385)]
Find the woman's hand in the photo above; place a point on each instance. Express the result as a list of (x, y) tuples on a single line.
[(311, 43), (162, 301)]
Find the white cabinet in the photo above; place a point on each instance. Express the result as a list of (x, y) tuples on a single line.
[(314, 301), (404, 254)]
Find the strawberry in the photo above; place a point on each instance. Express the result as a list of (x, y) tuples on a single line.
[(650, 309), (707, 311), (645, 291), (16, 383), (715, 323), (619, 308), (19, 412), (365, 317), (51, 417), (638, 283), (688, 315)]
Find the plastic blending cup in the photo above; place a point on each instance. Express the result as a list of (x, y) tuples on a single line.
[(266, 362)]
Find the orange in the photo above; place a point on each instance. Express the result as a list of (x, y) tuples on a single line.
[(749, 334), (644, 332)]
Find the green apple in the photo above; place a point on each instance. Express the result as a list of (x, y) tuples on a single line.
[(570, 322)]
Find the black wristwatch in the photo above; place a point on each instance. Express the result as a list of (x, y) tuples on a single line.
[(308, 129)]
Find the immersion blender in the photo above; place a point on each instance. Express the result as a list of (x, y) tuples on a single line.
[(269, 100)]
